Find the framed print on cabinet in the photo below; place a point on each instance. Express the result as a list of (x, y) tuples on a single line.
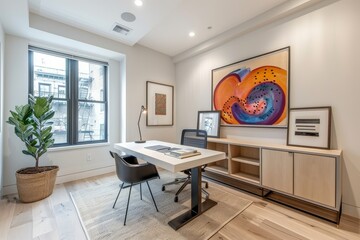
[(159, 104), (253, 92), (210, 122), (309, 127)]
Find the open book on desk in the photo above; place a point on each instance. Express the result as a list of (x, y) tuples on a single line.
[(183, 152)]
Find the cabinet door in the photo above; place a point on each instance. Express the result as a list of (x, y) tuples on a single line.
[(314, 178), (277, 170)]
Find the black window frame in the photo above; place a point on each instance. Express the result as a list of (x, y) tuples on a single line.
[(44, 84), (71, 94)]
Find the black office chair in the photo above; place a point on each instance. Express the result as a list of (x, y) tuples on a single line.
[(133, 174), (193, 138)]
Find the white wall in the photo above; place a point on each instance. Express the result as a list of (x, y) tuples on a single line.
[(2, 44), (139, 65), (325, 54)]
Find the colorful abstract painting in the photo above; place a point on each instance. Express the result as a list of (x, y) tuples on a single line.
[(253, 92)]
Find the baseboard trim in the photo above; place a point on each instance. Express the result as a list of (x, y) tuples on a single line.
[(351, 210), (12, 189), (84, 174)]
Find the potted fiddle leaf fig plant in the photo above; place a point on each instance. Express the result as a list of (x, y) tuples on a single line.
[(32, 124)]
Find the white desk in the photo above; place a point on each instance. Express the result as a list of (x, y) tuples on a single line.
[(175, 165)]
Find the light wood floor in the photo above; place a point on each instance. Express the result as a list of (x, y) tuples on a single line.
[(56, 218)]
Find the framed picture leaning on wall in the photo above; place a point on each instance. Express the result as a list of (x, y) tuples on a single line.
[(210, 122), (309, 127), (159, 104)]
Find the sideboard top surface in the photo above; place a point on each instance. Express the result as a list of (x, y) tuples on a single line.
[(332, 152)]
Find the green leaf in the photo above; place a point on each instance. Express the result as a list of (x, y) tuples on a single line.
[(48, 115), (28, 153)]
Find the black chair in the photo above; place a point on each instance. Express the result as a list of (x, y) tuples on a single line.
[(193, 138), (133, 174)]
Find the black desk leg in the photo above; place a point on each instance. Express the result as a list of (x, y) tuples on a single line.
[(197, 207)]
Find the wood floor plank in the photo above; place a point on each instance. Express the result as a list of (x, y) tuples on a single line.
[(219, 236), (254, 228), (350, 224), (7, 209), (314, 223), (43, 218), (263, 221), (68, 223), (21, 232)]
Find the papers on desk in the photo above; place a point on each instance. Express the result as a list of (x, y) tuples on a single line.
[(161, 148), (175, 152), (158, 147), (183, 152)]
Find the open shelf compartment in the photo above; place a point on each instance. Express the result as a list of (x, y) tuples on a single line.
[(244, 152), (245, 171), (222, 165), (245, 163), (219, 166)]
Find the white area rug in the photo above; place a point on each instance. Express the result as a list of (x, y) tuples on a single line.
[(101, 221)]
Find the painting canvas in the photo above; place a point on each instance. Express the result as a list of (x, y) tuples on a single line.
[(253, 92), (159, 104)]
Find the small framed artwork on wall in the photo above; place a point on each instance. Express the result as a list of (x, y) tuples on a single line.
[(159, 104), (309, 127), (210, 122)]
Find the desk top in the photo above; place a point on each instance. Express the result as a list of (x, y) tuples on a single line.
[(168, 162)]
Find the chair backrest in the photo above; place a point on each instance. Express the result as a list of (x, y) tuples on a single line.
[(121, 168), (134, 173), (194, 138)]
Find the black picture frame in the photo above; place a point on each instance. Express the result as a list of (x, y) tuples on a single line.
[(309, 127), (210, 122)]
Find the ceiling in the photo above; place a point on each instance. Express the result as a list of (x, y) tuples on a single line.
[(162, 25)]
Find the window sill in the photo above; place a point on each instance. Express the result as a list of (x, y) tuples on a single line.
[(56, 149)]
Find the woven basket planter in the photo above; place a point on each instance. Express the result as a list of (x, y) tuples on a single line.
[(33, 187)]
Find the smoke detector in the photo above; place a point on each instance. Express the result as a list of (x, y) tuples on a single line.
[(121, 29), (128, 17)]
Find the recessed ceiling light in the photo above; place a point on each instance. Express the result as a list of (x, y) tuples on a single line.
[(138, 3), (191, 34)]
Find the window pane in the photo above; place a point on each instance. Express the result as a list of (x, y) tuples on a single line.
[(91, 121), (60, 121), (91, 81), (49, 74)]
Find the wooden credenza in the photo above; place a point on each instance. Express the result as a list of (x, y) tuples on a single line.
[(308, 179)]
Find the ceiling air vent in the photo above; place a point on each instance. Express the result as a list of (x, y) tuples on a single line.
[(121, 29)]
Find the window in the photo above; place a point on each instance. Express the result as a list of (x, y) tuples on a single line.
[(61, 91), (80, 98), (44, 89)]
